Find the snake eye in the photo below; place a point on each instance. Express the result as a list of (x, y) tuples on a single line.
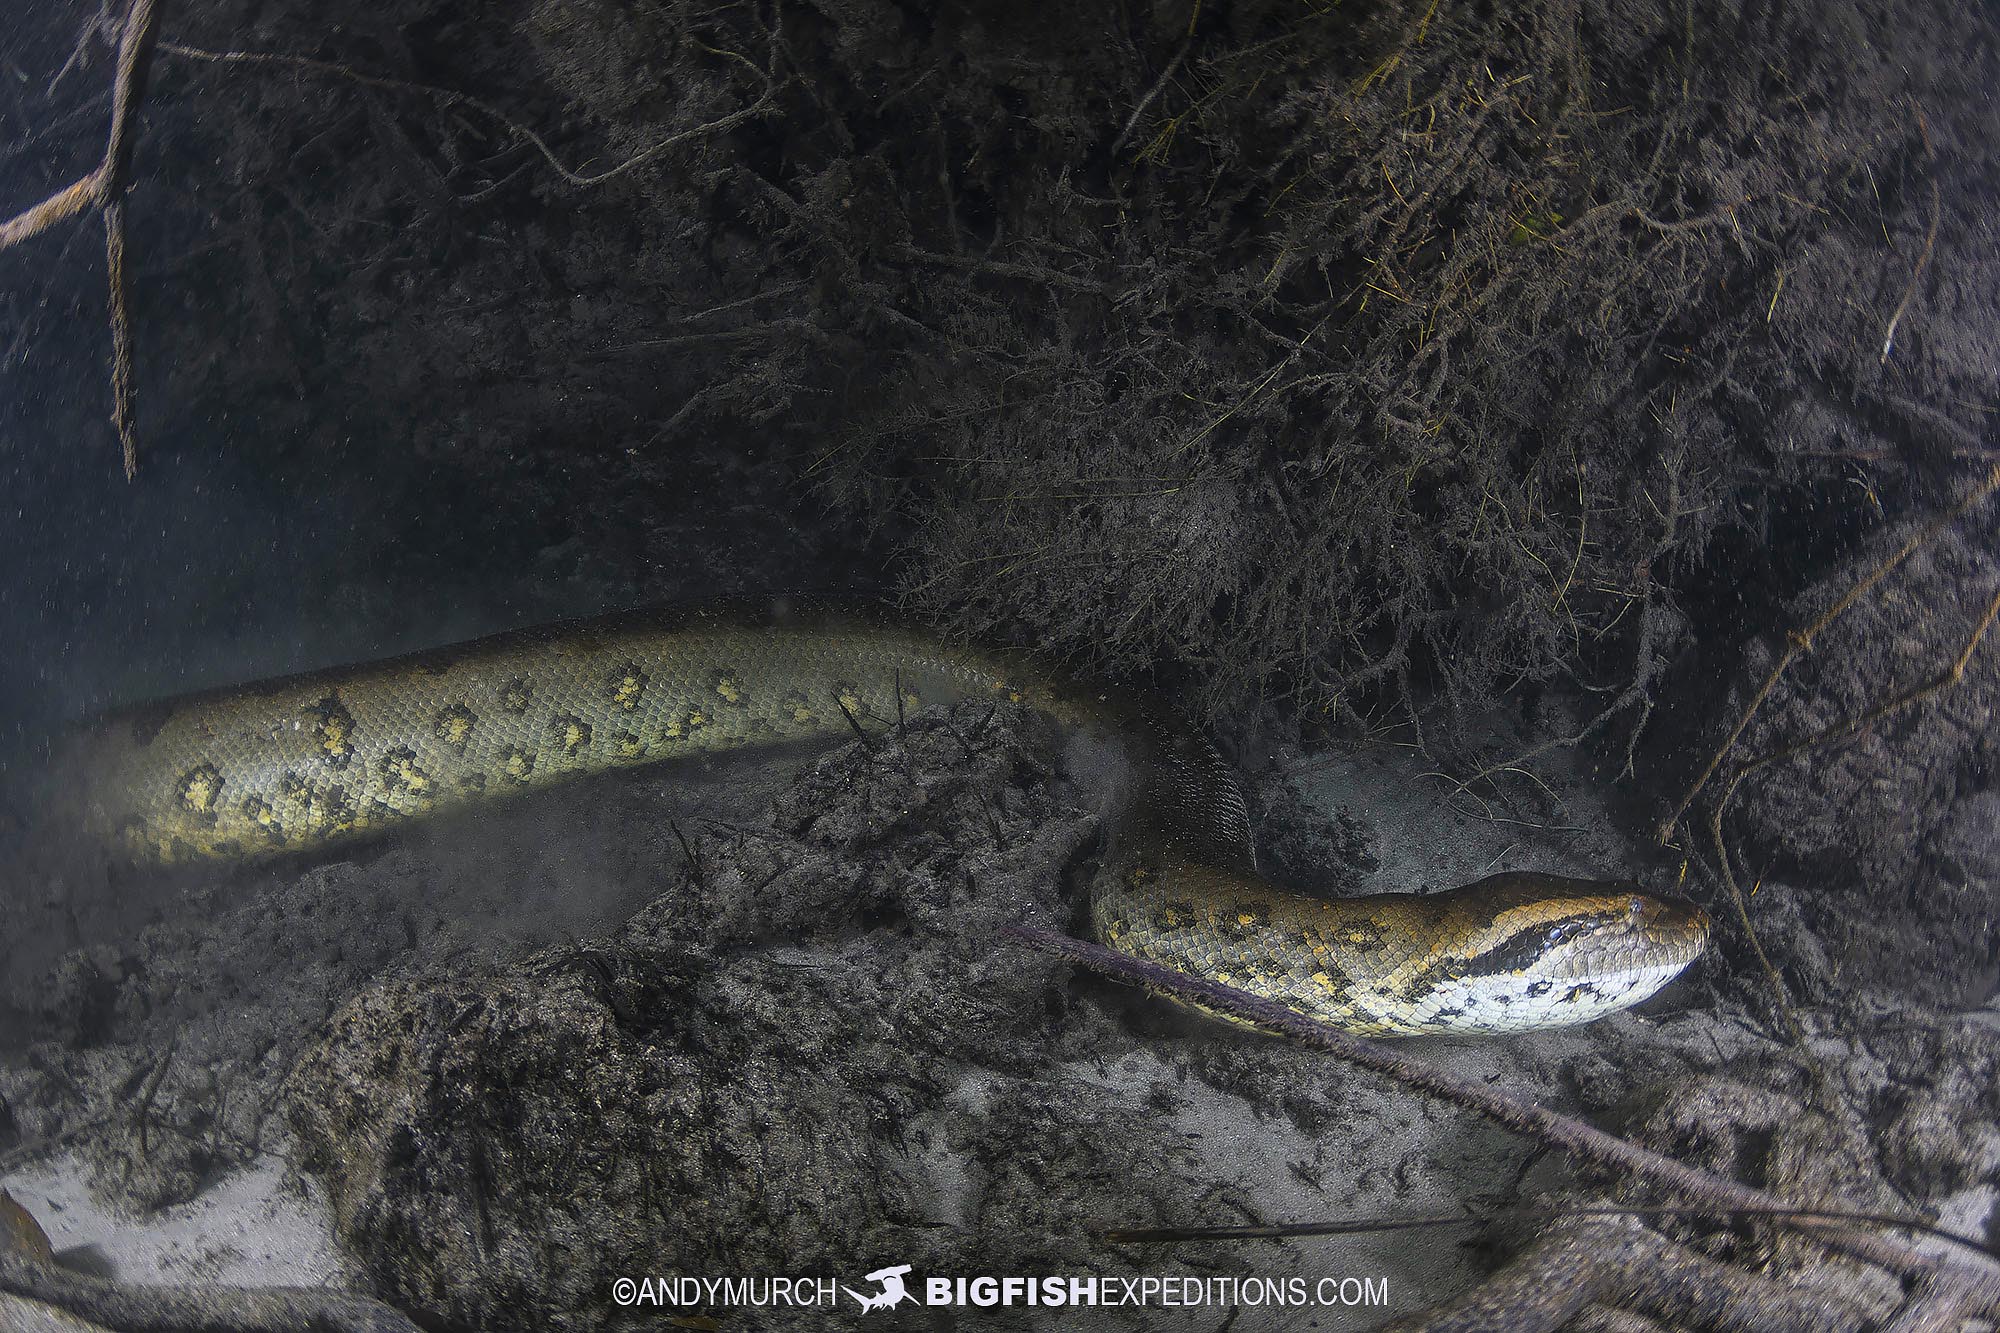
[(1563, 931)]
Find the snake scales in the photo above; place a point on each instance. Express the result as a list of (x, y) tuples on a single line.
[(297, 763)]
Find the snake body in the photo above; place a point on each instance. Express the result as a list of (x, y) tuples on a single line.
[(289, 765)]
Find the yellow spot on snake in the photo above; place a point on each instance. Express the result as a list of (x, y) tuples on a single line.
[(335, 730), (1365, 936), (515, 695), (729, 687), (259, 812), (799, 708), (401, 776), (629, 746), (627, 686), (684, 724), (517, 763), (328, 814), (200, 790), (454, 726), (572, 732)]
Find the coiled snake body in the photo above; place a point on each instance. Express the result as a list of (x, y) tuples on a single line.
[(298, 763)]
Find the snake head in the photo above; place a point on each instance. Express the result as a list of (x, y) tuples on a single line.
[(1546, 951), (1608, 951)]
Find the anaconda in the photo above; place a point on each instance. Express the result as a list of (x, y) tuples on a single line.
[(286, 766)]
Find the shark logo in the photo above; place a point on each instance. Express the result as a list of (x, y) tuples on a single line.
[(892, 1294)]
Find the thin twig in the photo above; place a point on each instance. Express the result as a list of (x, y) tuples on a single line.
[(1724, 214), (1930, 243), (123, 395), (1741, 904), (1944, 680), (1916, 276), (135, 59), (104, 189), (1159, 84), (1563, 1133), (22, 1154), (1553, 1212), (60, 206), (1895, 455), (971, 768), (695, 868), (1797, 644), (998, 268), (451, 97), (150, 1089), (867, 741), (1800, 641)]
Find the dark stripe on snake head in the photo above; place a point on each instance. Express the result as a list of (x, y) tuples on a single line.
[(1519, 951)]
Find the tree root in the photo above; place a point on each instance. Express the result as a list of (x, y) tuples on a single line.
[(1800, 641), (104, 190), (1797, 644), (570, 176), (104, 187)]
